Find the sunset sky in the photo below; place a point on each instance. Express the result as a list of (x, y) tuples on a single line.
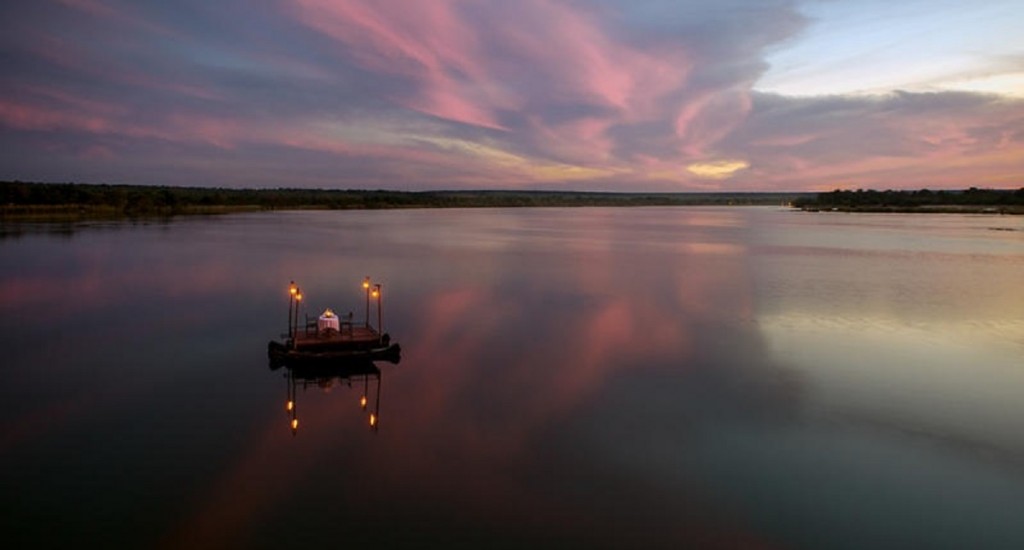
[(603, 95)]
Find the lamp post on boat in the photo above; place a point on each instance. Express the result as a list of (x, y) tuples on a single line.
[(376, 294), (295, 324), (366, 287), (292, 289)]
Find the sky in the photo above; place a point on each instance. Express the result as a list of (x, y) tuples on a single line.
[(600, 95)]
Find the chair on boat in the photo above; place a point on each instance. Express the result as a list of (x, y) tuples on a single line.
[(346, 323)]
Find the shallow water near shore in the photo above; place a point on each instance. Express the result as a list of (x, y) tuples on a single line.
[(602, 377)]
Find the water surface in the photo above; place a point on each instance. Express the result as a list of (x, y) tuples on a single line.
[(632, 377)]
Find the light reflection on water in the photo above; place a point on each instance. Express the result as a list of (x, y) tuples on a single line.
[(649, 377)]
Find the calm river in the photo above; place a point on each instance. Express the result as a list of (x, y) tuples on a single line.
[(622, 378)]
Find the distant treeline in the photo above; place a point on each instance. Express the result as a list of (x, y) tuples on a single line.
[(23, 199), (971, 200)]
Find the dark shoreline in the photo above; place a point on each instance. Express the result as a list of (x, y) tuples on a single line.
[(28, 202), (924, 201)]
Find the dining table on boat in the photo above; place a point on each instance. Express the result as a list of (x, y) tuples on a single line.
[(328, 321)]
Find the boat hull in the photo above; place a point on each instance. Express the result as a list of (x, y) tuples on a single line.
[(281, 354)]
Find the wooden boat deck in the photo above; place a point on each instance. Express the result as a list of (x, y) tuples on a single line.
[(348, 337)]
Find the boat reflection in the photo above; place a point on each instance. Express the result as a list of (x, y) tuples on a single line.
[(325, 376)]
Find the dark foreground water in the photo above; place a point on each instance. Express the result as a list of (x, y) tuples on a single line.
[(633, 378)]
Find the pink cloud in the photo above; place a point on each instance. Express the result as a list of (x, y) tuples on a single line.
[(784, 140), (48, 109), (582, 140), (110, 121), (949, 170), (581, 60), (424, 41), (521, 57), (29, 117), (900, 140), (120, 17), (97, 153), (224, 132), (704, 121)]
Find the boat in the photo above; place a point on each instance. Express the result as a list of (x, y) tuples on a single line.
[(331, 338)]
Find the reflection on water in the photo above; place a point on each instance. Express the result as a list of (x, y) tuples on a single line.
[(325, 377), (650, 377)]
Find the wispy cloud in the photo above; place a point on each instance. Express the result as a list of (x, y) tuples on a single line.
[(949, 139), (605, 95)]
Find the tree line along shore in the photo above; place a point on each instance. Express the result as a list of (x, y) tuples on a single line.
[(30, 201), (25, 200), (972, 200)]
